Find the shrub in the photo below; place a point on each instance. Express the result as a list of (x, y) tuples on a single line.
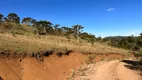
[(138, 54), (90, 59)]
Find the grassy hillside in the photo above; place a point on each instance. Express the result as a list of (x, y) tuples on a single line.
[(13, 28), (32, 36), (36, 43)]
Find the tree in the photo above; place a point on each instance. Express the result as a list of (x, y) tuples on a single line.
[(139, 41), (12, 17), (44, 23), (140, 34), (99, 38), (1, 17), (63, 29), (57, 30), (28, 21), (88, 37), (69, 31), (6, 19), (34, 23), (56, 26), (77, 30), (131, 39), (44, 26)]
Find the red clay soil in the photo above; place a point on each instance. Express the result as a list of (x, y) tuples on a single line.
[(109, 56), (10, 70), (113, 70), (52, 68)]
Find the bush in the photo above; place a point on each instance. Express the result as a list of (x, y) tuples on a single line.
[(90, 59), (139, 53)]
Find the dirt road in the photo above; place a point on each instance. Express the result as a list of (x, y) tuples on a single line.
[(113, 70)]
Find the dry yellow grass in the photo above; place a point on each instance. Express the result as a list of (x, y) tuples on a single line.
[(16, 28), (37, 43)]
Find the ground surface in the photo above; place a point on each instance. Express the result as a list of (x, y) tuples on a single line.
[(53, 67), (113, 70), (60, 68)]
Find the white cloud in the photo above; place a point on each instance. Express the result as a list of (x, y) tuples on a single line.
[(110, 9)]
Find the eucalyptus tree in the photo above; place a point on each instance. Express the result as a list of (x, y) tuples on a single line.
[(1, 17), (13, 17), (28, 21)]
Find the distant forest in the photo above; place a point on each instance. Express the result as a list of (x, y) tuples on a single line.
[(133, 43)]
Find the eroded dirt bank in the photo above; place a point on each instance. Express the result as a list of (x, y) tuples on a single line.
[(52, 68)]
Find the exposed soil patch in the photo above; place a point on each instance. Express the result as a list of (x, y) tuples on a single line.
[(53, 67), (108, 70), (10, 69), (109, 56)]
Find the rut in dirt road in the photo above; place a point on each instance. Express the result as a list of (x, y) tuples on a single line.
[(114, 70)]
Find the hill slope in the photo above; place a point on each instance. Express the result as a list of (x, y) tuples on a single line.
[(22, 43)]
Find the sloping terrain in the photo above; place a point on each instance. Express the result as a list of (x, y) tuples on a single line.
[(37, 43), (20, 49)]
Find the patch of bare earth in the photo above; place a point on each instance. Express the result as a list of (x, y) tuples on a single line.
[(66, 67), (109, 70)]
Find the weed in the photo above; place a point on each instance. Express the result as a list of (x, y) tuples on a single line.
[(102, 59), (90, 59), (83, 74), (72, 75)]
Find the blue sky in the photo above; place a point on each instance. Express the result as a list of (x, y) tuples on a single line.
[(99, 17)]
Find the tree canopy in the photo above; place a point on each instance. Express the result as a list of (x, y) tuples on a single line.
[(1, 17), (28, 21), (13, 17)]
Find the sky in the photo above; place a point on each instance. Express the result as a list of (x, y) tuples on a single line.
[(100, 17)]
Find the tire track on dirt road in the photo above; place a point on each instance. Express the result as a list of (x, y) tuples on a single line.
[(113, 70)]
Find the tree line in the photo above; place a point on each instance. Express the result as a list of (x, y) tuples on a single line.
[(133, 43), (48, 28), (76, 31)]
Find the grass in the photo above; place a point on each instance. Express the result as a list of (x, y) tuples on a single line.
[(13, 28), (21, 38), (90, 59), (36, 43)]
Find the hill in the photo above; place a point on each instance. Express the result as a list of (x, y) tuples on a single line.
[(25, 41)]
